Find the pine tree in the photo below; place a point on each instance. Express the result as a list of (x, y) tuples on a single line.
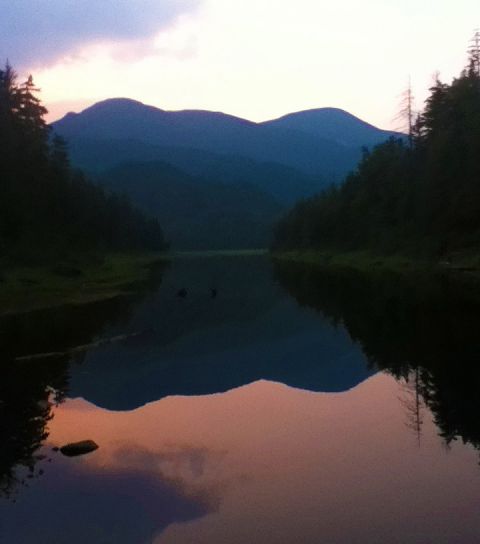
[(59, 154), (47, 209), (32, 116), (9, 110), (424, 198)]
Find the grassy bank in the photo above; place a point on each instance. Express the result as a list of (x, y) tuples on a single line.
[(366, 261), (86, 280), (220, 253)]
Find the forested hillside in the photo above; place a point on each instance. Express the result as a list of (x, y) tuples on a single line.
[(47, 208), (196, 212), (283, 183), (420, 197), (215, 181)]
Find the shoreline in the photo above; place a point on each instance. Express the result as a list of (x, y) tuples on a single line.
[(26, 289), (366, 261)]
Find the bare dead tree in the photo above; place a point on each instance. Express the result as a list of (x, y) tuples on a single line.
[(413, 404), (474, 53), (407, 114)]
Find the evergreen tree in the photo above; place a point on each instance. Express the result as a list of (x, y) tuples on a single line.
[(47, 209), (421, 198)]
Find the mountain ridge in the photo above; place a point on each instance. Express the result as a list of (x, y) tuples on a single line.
[(196, 213), (230, 178), (335, 123), (289, 140), (119, 101)]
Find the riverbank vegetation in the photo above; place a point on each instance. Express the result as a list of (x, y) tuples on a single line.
[(417, 197), (93, 278), (62, 238)]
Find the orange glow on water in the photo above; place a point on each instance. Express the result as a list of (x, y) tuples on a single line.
[(285, 465)]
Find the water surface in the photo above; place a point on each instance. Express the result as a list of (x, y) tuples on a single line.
[(296, 405)]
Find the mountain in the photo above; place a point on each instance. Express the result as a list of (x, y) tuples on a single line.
[(286, 141), (197, 213), (214, 180), (285, 184), (203, 346), (333, 124)]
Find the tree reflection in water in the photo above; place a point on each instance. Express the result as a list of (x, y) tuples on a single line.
[(29, 388), (421, 328)]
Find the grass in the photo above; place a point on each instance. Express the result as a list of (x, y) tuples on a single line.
[(220, 253), (28, 288), (366, 261), (360, 260)]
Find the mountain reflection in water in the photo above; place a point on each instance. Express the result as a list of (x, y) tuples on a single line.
[(195, 346), (263, 463), (421, 324), (342, 455)]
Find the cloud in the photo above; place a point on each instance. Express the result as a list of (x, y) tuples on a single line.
[(38, 32)]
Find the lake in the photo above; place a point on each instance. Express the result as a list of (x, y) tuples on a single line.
[(240, 400)]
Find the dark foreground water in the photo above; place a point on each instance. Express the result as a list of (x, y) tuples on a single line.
[(295, 406)]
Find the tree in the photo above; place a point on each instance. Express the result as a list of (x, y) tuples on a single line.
[(32, 117), (474, 54), (423, 198), (59, 154), (47, 209), (407, 113)]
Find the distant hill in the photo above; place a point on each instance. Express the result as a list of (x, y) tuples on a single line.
[(320, 143), (333, 124), (197, 213), (214, 180), (285, 184)]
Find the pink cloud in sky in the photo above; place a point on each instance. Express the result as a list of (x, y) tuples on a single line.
[(38, 32)]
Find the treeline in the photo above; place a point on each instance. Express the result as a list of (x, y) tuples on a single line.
[(418, 195), (48, 209)]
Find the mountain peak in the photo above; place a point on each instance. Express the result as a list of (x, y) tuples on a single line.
[(116, 104), (323, 142), (332, 124), (327, 111), (329, 114)]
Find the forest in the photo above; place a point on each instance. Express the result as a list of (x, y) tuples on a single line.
[(48, 209), (418, 196)]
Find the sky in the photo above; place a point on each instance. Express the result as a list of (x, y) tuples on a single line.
[(258, 59)]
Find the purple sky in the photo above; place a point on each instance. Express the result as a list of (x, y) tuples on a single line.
[(257, 59), (36, 32)]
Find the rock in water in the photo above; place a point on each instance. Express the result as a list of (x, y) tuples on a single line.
[(79, 448)]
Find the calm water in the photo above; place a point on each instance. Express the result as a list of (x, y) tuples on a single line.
[(295, 406)]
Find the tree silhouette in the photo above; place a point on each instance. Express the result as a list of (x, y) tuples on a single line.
[(48, 210), (422, 199)]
